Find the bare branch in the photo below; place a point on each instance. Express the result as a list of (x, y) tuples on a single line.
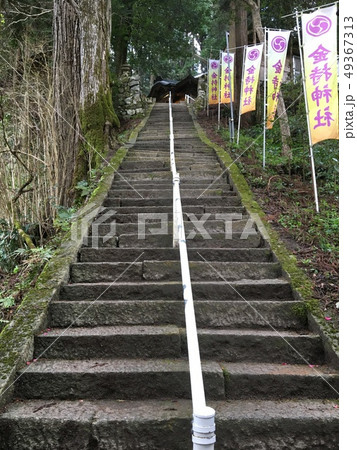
[(22, 189), (18, 11)]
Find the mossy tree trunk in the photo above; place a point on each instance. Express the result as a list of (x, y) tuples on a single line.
[(83, 102)]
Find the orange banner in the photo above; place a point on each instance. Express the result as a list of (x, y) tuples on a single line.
[(213, 81), (319, 31), (227, 68), (252, 62)]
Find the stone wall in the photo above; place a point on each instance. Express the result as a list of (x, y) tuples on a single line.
[(130, 100)]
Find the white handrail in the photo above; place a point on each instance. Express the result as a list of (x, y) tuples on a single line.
[(203, 426), (189, 99)]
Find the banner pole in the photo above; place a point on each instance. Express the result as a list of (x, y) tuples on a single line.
[(241, 93), (219, 89), (207, 88), (265, 92), (231, 124), (307, 114)]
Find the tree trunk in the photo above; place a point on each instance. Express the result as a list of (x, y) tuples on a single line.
[(67, 85), (281, 112), (238, 37), (82, 94)]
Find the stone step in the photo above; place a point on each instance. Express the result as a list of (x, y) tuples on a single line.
[(202, 182), (230, 345), (145, 224), (151, 170), (250, 290), (129, 165), (167, 193), (267, 289), (166, 425), (122, 185), (134, 166), (164, 158), (279, 381), (219, 240), (202, 200), (282, 315), (171, 271), (154, 379), (162, 254), (119, 211), (152, 155), (252, 345), (110, 342), (164, 214), (125, 379), (166, 175)]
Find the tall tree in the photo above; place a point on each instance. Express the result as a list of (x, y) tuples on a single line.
[(82, 93), (159, 37), (238, 37), (121, 31)]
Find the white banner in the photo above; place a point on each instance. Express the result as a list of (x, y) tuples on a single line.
[(319, 32), (277, 46), (213, 81), (227, 67), (250, 81)]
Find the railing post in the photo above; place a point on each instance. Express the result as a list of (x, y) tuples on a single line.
[(203, 429)]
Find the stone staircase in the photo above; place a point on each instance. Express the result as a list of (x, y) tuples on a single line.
[(114, 371)]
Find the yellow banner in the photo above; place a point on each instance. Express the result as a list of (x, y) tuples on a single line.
[(277, 46), (252, 62), (213, 81), (227, 67), (319, 31)]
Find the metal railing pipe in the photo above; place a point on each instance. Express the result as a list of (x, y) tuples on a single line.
[(203, 427)]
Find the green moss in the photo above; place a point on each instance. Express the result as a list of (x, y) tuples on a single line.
[(303, 308), (93, 117), (226, 374)]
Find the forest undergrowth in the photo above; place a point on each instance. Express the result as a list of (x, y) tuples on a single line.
[(20, 265), (284, 191)]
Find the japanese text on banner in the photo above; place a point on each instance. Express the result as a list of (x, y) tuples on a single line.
[(227, 68), (213, 78), (253, 58), (319, 31), (277, 46)]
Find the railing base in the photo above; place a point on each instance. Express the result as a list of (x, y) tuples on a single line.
[(203, 429)]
